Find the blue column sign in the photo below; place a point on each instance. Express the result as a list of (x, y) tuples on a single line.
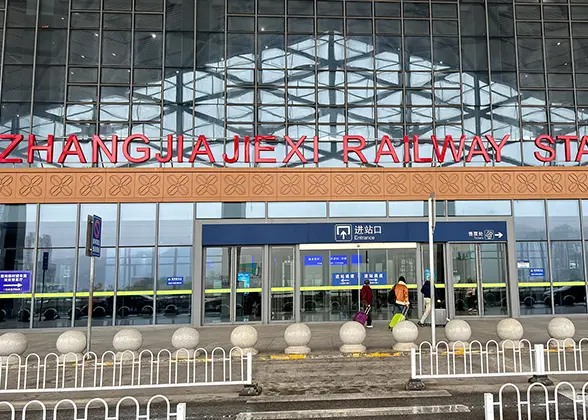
[(96, 236), (175, 281), (15, 281), (375, 278), (344, 279)]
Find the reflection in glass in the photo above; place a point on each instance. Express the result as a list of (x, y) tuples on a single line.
[(529, 218), (534, 286), (465, 279), (282, 283), (357, 209), (108, 213), (137, 224), (57, 225), (569, 287), (136, 269), (294, 210), (176, 223), (174, 272), (248, 284), (564, 219), (492, 270), (217, 292)]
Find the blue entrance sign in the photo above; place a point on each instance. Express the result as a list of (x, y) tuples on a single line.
[(356, 259), (325, 233), (96, 235), (376, 278), (338, 259), (313, 260), (537, 272), (15, 281), (344, 279), (175, 281)]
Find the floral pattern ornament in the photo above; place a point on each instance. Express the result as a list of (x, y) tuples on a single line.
[(178, 185), (61, 185), (526, 183), (397, 184), (149, 184), (31, 185), (263, 184), (91, 185), (234, 185), (120, 185), (317, 184), (475, 183), (5, 186), (448, 183), (344, 184), (206, 184), (577, 183), (422, 184), (371, 184), (290, 185), (501, 183), (552, 183)]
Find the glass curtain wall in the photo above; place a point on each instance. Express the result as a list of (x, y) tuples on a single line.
[(296, 67)]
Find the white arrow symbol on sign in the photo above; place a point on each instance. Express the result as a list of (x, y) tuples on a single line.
[(499, 235)]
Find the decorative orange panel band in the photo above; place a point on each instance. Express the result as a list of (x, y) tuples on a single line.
[(256, 184)]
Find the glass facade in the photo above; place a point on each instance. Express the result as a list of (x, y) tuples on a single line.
[(222, 68), (145, 244)]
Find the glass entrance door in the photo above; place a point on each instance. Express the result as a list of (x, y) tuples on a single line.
[(479, 279), (233, 284)]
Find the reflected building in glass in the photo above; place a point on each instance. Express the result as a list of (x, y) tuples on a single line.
[(168, 85)]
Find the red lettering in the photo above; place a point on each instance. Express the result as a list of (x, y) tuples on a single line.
[(72, 140), (235, 157), (448, 143), (170, 149), (477, 143), (567, 140), (258, 148), (355, 149), (388, 143), (180, 148), (295, 149), (98, 145), (406, 150), (415, 146), (315, 158), (498, 147), (33, 147), (14, 139), (582, 149), (247, 150), (146, 151), (545, 147), (202, 142)]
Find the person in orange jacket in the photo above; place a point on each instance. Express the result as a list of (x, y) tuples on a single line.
[(401, 292)]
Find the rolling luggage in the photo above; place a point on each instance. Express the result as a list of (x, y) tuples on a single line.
[(362, 316), (398, 317), (440, 317)]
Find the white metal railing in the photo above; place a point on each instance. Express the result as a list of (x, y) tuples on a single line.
[(494, 359), (69, 410), (128, 370), (475, 359), (564, 402)]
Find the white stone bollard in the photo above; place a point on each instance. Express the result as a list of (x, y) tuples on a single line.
[(405, 333), (297, 337), (510, 332), (352, 334), (185, 338), (458, 333), (12, 344), (71, 346), (127, 342), (244, 337), (562, 330)]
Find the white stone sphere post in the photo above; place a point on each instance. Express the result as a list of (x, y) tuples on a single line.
[(127, 342), (185, 340), (244, 337), (71, 346), (405, 333), (297, 337), (352, 334), (510, 332), (12, 344), (458, 333), (562, 331)]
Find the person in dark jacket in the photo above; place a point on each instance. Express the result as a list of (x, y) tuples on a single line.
[(367, 297), (426, 291)]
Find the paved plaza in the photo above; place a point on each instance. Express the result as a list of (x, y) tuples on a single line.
[(325, 336)]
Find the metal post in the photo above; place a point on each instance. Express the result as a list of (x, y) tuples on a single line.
[(249, 368), (414, 384), (181, 411), (488, 406), (432, 290), (90, 304), (539, 374)]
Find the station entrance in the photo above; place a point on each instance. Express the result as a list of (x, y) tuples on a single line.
[(265, 273)]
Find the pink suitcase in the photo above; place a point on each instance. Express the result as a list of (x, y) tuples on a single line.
[(362, 316)]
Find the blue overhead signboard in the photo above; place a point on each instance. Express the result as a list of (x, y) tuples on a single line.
[(15, 281), (338, 259), (536, 272), (313, 260), (344, 279), (318, 233)]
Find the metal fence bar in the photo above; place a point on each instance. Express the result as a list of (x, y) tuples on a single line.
[(71, 411), (128, 370)]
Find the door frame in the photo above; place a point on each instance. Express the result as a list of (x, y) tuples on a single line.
[(479, 279)]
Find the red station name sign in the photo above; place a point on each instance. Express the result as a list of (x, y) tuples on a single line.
[(135, 149)]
